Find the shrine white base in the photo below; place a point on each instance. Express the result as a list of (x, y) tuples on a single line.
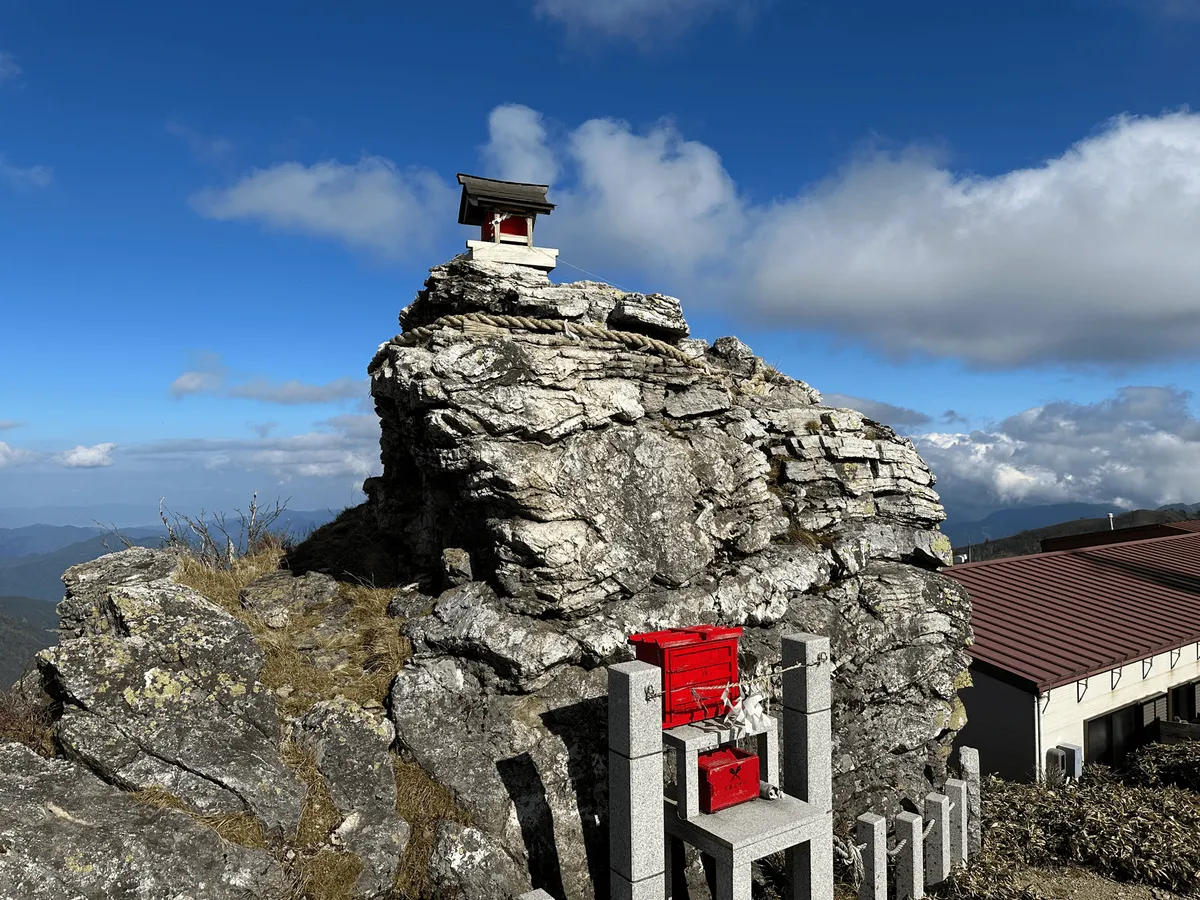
[(542, 258)]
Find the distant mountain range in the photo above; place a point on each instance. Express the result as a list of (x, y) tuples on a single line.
[(1004, 522), (26, 626), (34, 557), (1030, 540)]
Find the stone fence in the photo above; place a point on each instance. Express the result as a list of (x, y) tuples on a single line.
[(927, 848), (647, 829)]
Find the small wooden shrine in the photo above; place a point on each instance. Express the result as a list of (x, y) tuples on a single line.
[(505, 212)]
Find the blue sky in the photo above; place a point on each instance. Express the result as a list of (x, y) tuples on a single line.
[(976, 222)]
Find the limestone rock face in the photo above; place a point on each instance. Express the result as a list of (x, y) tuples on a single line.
[(603, 474), (159, 688), (154, 689), (65, 833)]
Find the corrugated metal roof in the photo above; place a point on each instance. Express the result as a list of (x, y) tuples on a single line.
[(517, 194), (1053, 618)]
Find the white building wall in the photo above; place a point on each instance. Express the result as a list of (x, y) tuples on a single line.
[(1063, 715)]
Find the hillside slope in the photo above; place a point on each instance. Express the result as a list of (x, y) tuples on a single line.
[(27, 625)]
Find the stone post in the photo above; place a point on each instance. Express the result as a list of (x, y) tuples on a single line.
[(937, 841), (768, 756), (968, 767), (956, 790), (808, 759), (807, 701), (910, 862), (539, 894), (871, 830), (635, 783)]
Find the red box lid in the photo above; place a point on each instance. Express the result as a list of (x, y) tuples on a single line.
[(678, 637), (722, 757)]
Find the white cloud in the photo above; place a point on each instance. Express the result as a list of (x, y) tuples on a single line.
[(25, 176), (517, 147), (293, 392), (195, 383), (317, 454), (205, 147), (1088, 258), (656, 200), (355, 426), (640, 20), (11, 456), (370, 205), (210, 376), (86, 457), (6, 424), (8, 67), (1136, 448)]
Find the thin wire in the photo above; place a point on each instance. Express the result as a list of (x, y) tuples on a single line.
[(593, 274), (652, 694)]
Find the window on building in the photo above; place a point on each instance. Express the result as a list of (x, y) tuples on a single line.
[(1182, 702), (1110, 738)]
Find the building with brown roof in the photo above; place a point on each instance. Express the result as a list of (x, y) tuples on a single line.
[(1087, 647), (1118, 536)]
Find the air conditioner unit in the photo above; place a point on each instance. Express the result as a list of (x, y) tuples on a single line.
[(1056, 765)]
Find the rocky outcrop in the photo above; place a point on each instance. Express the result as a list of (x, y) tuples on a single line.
[(159, 688), (65, 833), (353, 754), (597, 473), (166, 738)]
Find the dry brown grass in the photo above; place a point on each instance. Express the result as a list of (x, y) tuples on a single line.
[(319, 816), (328, 874), (423, 803), (159, 798), (372, 640), (26, 720), (222, 586), (239, 828), (375, 650)]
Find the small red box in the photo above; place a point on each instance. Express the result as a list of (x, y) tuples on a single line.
[(697, 663), (727, 777)]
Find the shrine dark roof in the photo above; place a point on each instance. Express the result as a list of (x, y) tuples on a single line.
[(513, 196)]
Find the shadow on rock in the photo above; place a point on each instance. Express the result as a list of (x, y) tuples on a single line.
[(352, 548), (583, 729), (528, 793)]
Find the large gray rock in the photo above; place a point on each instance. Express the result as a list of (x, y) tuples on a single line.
[(467, 863), (352, 749), (160, 688), (603, 482), (66, 834)]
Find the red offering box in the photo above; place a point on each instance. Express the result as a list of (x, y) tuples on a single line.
[(727, 777), (696, 665)]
